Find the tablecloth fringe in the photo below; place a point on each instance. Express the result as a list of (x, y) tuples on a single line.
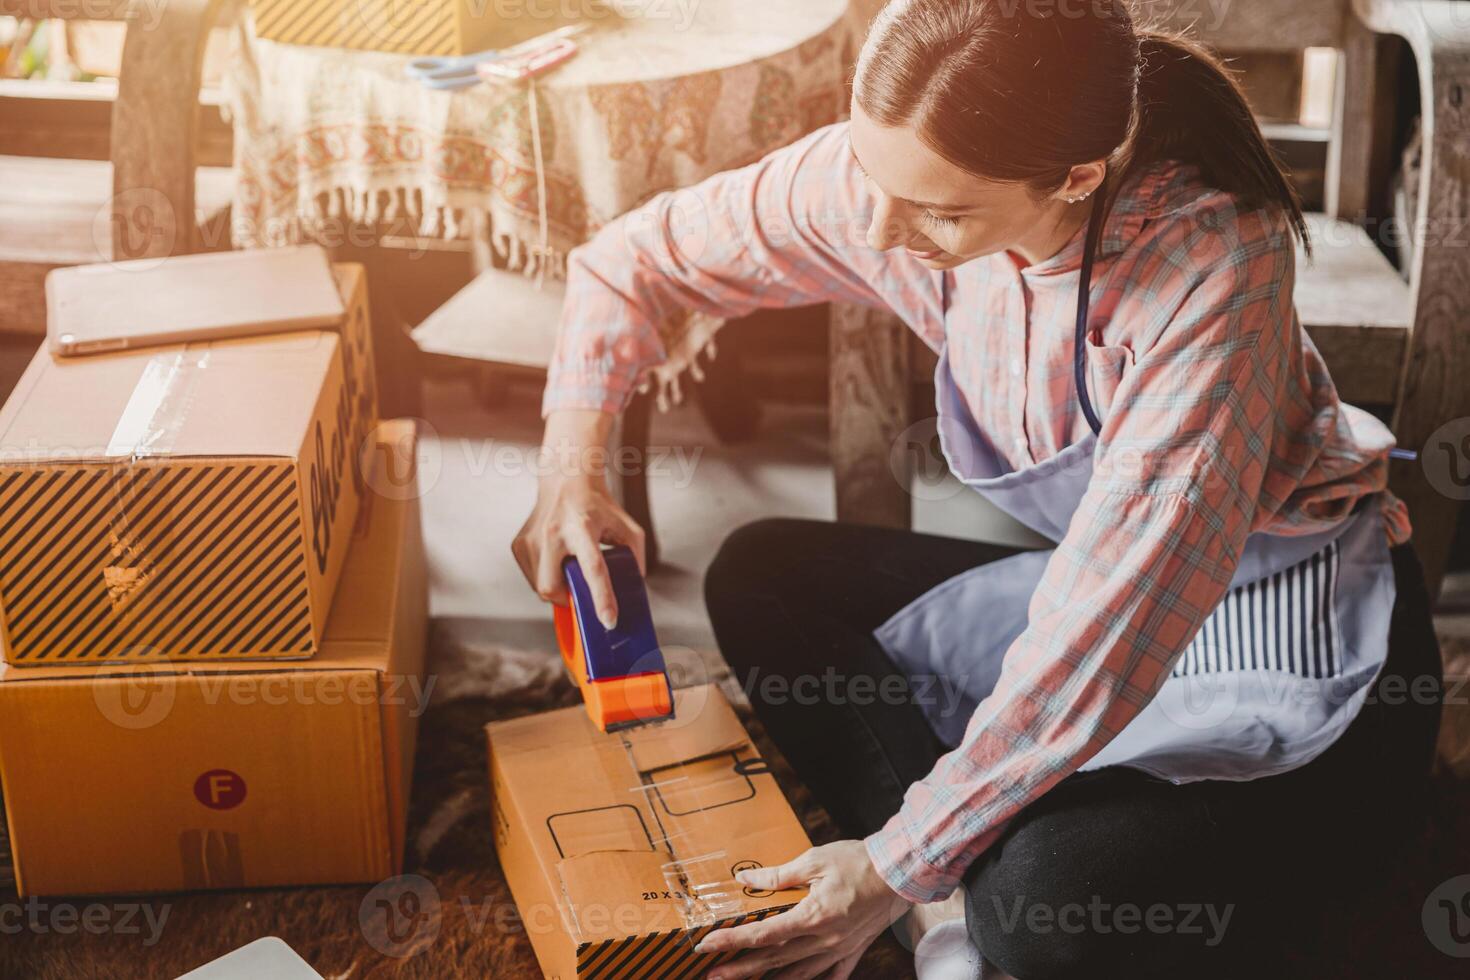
[(530, 258), (322, 207), (664, 380), (437, 216)]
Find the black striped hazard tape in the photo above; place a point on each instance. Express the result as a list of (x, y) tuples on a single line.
[(154, 562), (378, 25), (658, 955)]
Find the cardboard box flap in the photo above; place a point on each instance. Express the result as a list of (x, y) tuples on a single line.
[(702, 725), (615, 893), (336, 656), (587, 882), (246, 397), (621, 827)]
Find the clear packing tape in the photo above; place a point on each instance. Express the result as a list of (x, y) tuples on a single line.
[(699, 803), (701, 882), (693, 788), (149, 426), (160, 402)]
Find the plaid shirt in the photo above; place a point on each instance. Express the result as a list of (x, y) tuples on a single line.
[(1219, 419)]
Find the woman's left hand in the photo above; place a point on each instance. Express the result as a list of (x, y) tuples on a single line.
[(848, 904)]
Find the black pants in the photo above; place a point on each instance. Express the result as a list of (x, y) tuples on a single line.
[(1113, 872)]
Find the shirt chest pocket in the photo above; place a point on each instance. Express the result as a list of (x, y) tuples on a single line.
[(1107, 365)]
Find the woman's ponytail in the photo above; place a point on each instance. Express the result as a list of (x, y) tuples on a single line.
[(1191, 108)]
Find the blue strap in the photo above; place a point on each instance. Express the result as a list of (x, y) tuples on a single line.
[(1079, 351), (1079, 357)]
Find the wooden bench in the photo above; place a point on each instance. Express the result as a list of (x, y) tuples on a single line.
[(146, 196), (1400, 348)]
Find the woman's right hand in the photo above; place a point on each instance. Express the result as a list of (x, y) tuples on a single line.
[(574, 514)]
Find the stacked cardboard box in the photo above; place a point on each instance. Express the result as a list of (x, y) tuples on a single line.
[(189, 501), (210, 623)]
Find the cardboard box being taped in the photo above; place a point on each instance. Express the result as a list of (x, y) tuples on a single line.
[(161, 777), (174, 503), (421, 27), (620, 849)]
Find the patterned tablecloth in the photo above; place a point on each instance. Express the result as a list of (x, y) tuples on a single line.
[(650, 103)]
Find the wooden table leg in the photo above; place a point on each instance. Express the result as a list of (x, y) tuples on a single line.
[(724, 396), (869, 411), (632, 433)]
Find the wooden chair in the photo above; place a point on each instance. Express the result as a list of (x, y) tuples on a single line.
[(120, 177), (1402, 349)]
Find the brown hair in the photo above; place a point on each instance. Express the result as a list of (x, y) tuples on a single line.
[(1024, 90)]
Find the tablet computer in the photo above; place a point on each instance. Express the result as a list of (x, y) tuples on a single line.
[(149, 302)]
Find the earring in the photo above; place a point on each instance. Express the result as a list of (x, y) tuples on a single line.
[(1079, 197)]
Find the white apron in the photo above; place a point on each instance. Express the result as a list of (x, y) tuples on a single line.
[(1273, 677)]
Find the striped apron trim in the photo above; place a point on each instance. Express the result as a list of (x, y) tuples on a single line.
[(1286, 622)]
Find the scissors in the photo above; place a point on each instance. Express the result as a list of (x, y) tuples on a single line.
[(459, 72), (449, 73)]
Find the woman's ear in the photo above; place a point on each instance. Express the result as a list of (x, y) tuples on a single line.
[(1081, 181)]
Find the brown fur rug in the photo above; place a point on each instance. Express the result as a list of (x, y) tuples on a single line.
[(449, 844)]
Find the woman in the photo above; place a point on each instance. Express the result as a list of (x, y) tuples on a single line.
[(1141, 752)]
